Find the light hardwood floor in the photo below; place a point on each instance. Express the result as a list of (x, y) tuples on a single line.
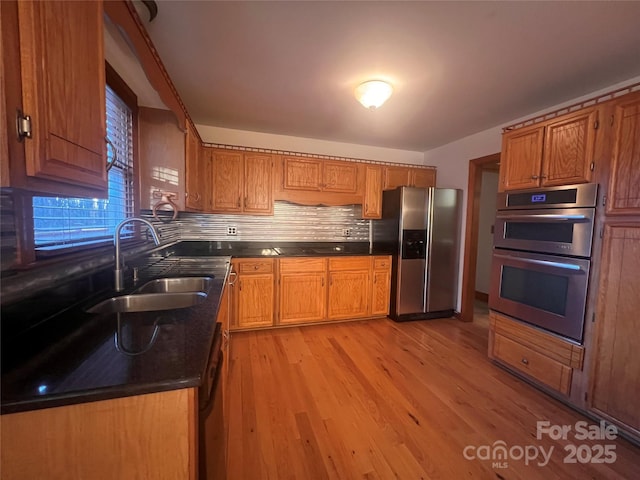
[(383, 400)]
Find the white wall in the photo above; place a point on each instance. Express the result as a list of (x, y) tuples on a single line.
[(486, 218), (452, 160), (228, 136)]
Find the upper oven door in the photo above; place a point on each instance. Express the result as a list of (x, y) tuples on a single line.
[(558, 231)]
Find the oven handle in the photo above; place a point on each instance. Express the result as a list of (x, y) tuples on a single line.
[(543, 217), (546, 263)]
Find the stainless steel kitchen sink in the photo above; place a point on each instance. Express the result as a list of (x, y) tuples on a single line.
[(148, 302), (177, 285)]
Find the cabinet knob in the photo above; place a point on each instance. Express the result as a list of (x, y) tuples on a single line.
[(543, 176), (238, 203), (534, 177), (525, 361)]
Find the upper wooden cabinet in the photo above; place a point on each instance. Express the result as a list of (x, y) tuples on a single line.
[(242, 182), (63, 92), (616, 361), (372, 202), (195, 166), (557, 152), (395, 177), (319, 175), (624, 185)]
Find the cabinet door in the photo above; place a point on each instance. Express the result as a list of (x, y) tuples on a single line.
[(423, 178), (255, 304), (302, 174), (227, 182), (396, 177), (348, 294), (302, 297), (616, 367), (568, 149), (372, 205), (624, 185), (258, 184), (63, 82), (194, 162), (521, 159), (339, 177), (381, 292)]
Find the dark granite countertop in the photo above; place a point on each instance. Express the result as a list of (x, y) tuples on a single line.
[(89, 364), (71, 356)]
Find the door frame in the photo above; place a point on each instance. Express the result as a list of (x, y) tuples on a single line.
[(474, 186)]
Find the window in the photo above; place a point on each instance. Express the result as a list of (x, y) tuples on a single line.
[(61, 223)]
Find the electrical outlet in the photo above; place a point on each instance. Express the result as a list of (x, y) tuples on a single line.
[(232, 230), (346, 232)]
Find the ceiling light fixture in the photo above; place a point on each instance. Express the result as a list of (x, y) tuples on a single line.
[(373, 94)]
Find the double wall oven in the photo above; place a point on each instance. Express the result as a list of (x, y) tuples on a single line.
[(542, 256)]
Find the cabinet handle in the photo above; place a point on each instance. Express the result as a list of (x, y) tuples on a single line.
[(238, 203), (525, 361), (543, 176), (111, 163), (240, 285), (534, 177), (322, 282), (235, 277)]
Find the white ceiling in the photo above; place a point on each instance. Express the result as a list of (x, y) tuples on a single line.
[(457, 67)]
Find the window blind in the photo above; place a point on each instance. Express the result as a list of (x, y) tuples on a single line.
[(71, 222)]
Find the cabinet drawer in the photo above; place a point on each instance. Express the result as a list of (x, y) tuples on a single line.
[(349, 263), (381, 263), (295, 265), (255, 266), (534, 364)]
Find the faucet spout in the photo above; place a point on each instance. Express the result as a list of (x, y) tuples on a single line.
[(117, 271)]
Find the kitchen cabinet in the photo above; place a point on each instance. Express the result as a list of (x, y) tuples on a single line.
[(349, 287), (62, 97), (624, 185), (543, 358), (372, 202), (254, 291), (319, 175), (381, 287), (302, 290), (616, 362), (196, 169), (242, 182), (395, 177), (142, 436), (161, 157), (555, 152)]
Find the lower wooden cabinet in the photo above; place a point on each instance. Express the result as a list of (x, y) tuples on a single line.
[(615, 372), (544, 358), (254, 293), (381, 287), (309, 290), (143, 436), (349, 287), (303, 290)]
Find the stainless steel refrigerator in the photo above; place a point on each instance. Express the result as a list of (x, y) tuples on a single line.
[(420, 228)]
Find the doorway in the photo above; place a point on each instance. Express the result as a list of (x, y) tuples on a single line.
[(479, 203)]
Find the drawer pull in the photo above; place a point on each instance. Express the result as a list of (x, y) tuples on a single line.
[(525, 361)]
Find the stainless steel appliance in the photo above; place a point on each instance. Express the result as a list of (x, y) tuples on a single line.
[(541, 259), (420, 229)]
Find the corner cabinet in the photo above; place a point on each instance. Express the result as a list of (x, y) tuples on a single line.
[(197, 171), (556, 152), (63, 92)]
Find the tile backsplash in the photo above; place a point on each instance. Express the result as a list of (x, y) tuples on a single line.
[(289, 223)]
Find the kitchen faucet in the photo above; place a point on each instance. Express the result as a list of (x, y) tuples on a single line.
[(118, 277)]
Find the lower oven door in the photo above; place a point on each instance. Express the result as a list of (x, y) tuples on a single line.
[(545, 290)]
